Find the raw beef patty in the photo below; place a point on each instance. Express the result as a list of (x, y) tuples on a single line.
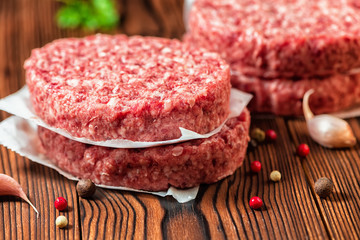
[(284, 96), (180, 165), (280, 38), (138, 88)]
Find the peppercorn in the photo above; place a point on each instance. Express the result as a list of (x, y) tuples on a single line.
[(275, 176), (255, 202), (252, 144), (270, 135), (303, 150), (85, 188), (255, 166), (258, 135), (61, 221), (323, 187), (60, 203)]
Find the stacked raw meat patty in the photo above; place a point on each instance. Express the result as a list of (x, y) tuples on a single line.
[(142, 89), (180, 165), (278, 49)]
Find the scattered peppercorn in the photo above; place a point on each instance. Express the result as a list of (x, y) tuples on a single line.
[(252, 144), (60, 203), (275, 176), (61, 221), (258, 135), (255, 202), (255, 166), (323, 187), (270, 135), (85, 188), (303, 150)]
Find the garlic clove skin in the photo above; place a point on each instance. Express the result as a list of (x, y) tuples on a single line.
[(327, 130), (331, 132), (9, 186)]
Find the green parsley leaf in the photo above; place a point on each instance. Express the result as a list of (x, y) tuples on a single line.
[(68, 17), (89, 14)]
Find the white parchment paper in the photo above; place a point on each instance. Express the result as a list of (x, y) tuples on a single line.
[(187, 7), (19, 104)]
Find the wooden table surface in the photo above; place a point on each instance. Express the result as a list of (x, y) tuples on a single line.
[(221, 211)]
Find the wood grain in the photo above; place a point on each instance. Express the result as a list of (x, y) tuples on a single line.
[(155, 17), (289, 209), (42, 186), (342, 166), (120, 215)]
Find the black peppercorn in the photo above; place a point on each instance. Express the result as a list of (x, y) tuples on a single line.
[(252, 144), (85, 188), (323, 187)]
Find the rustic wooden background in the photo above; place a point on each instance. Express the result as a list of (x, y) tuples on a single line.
[(221, 211)]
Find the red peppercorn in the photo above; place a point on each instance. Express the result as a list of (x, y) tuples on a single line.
[(270, 135), (60, 203), (255, 166), (255, 202), (303, 150)]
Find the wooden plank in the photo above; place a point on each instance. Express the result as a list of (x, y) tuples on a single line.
[(289, 212), (183, 221), (155, 18), (169, 16), (42, 186), (341, 211), (221, 210), (121, 215)]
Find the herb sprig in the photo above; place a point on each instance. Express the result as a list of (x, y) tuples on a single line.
[(88, 14)]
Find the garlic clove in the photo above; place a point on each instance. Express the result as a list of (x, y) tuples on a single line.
[(9, 186), (306, 109), (327, 130), (331, 132)]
